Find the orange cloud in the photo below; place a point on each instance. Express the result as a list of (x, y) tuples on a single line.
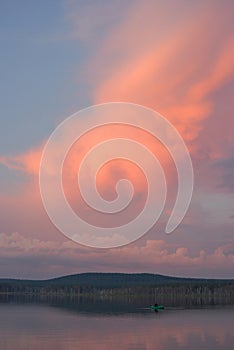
[(220, 73), (107, 177), (27, 162), (169, 62)]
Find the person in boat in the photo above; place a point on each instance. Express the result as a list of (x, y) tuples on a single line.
[(155, 306)]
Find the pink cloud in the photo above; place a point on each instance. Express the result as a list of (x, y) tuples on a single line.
[(153, 256), (27, 162), (175, 72)]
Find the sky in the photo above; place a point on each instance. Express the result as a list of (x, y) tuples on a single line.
[(175, 57)]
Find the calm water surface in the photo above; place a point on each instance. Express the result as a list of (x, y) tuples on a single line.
[(53, 327)]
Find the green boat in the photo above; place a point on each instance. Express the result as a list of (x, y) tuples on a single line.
[(158, 307)]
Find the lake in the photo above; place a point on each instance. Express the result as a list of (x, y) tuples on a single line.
[(98, 326)]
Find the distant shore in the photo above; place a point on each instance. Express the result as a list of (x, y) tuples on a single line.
[(113, 285)]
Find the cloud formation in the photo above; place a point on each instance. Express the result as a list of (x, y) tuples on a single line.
[(153, 256), (179, 60)]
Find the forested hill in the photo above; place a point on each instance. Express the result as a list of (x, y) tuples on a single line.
[(114, 280)]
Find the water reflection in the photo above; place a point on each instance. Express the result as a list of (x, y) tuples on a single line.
[(116, 304), (59, 326)]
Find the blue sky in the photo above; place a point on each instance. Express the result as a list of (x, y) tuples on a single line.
[(38, 86)]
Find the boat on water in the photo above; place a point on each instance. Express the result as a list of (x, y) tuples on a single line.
[(157, 307)]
